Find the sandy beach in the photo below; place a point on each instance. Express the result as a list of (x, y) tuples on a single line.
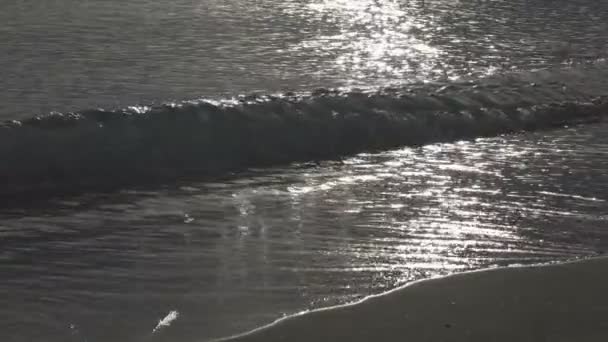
[(561, 302)]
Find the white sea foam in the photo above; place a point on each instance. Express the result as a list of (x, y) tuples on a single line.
[(165, 322)]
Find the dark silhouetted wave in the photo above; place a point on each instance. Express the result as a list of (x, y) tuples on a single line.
[(109, 148)]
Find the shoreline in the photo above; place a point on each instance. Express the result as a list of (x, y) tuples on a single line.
[(549, 302)]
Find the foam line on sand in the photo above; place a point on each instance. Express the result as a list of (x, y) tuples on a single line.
[(558, 302)]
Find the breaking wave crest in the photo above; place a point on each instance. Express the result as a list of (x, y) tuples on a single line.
[(107, 148)]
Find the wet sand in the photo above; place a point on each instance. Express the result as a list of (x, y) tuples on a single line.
[(564, 302)]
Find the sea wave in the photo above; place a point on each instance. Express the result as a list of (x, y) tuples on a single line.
[(110, 148)]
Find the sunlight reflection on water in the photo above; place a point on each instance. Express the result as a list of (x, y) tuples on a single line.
[(373, 38), (239, 252), (235, 253)]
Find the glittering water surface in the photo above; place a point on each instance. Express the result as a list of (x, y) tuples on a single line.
[(72, 54), (189, 261), (230, 255)]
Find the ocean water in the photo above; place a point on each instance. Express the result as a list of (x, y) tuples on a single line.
[(186, 170)]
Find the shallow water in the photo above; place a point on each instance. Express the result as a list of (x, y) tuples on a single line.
[(211, 257), (230, 255)]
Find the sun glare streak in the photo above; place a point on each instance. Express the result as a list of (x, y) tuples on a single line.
[(373, 39)]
